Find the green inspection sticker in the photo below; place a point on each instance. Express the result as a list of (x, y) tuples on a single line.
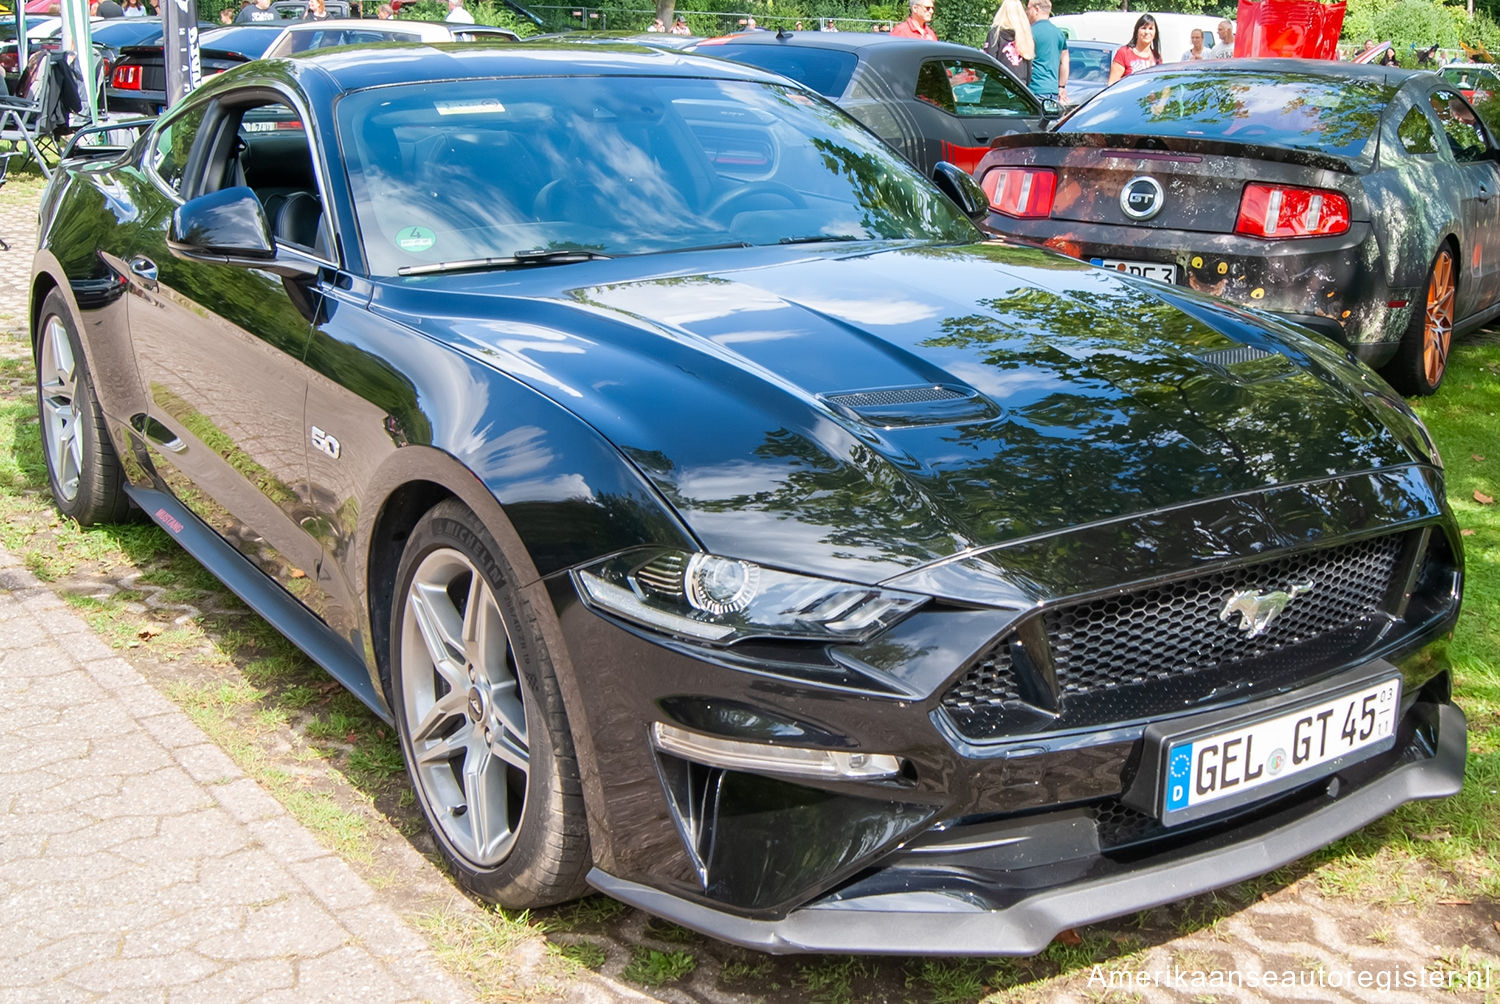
[(415, 240)]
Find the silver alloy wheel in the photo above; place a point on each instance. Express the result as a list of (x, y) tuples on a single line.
[(57, 376), (463, 707)]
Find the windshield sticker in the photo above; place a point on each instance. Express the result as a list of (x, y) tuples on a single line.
[(415, 240), (478, 106)]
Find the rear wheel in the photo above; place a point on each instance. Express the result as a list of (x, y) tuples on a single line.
[(480, 719), (1422, 359), (87, 481)]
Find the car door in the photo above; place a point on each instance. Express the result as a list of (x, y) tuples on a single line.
[(1472, 150), (219, 348)]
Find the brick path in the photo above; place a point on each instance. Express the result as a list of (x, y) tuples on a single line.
[(136, 860)]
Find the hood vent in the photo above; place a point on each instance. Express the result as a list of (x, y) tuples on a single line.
[(1233, 357), (924, 404)]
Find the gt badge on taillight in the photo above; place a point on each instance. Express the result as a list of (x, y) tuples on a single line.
[(1277, 211), (1024, 192)]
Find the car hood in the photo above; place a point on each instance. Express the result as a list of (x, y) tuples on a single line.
[(865, 411)]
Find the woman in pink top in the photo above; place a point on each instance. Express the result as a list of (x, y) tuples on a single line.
[(1143, 50)]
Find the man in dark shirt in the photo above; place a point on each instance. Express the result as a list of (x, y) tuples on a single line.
[(258, 11)]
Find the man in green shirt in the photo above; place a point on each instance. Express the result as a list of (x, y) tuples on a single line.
[(1049, 70)]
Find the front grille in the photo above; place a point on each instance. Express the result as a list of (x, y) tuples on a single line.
[(1129, 654), (1177, 629)]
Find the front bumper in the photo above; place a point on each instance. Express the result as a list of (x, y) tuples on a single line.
[(1021, 721), (950, 913)]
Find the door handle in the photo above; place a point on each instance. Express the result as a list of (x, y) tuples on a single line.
[(145, 268)]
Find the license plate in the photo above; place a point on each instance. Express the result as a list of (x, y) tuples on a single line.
[(1148, 269), (1252, 759)]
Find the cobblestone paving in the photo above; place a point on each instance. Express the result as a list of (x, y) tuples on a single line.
[(138, 862)]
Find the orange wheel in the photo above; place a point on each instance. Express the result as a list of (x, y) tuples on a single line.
[(1422, 357), (1437, 329)]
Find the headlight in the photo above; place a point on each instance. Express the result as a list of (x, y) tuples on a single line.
[(722, 600)]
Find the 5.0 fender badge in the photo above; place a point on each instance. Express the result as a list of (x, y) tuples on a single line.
[(1258, 610), (1142, 197)]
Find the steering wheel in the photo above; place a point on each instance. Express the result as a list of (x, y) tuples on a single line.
[(749, 189)]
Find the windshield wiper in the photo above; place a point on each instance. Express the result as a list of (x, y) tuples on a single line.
[(519, 259), (820, 239)]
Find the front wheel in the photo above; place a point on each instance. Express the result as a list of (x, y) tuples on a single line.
[(480, 719), (1422, 359), (83, 469)]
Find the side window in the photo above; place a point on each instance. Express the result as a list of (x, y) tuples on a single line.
[(1416, 133), (1465, 133), (934, 87), (984, 90), (265, 147), (173, 142)]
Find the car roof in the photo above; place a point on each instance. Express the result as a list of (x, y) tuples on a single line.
[(352, 68), (861, 42), (1091, 43), (436, 30)]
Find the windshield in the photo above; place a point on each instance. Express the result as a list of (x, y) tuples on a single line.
[(459, 171), (1336, 116)]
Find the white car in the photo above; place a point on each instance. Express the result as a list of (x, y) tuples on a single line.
[(300, 36)]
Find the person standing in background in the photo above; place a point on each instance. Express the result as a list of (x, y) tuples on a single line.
[(1010, 41), (1225, 48), (1142, 51), (457, 14), (1196, 51), (919, 24), (1049, 68)]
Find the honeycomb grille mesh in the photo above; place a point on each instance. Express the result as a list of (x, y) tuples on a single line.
[(991, 681), (1177, 628), (1173, 630), (858, 399)]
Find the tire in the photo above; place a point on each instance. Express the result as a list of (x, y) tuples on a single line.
[(1419, 364), (88, 483), (480, 719)]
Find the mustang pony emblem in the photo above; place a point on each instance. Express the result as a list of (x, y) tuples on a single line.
[(1258, 610)]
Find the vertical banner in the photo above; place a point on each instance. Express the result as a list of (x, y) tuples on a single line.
[(180, 46), (77, 39)]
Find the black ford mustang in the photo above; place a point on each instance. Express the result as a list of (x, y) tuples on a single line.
[(723, 522)]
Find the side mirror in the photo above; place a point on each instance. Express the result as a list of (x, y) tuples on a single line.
[(229, 227), (960, 186), (1051, 108)]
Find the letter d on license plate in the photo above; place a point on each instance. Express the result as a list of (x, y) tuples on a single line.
[(1209, 773)]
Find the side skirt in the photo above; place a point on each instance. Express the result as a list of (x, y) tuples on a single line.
[(262, 595)]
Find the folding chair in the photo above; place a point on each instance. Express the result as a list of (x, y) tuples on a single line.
[(40, 114)]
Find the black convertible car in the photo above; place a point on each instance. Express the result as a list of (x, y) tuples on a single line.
[(931, 101), (724, 522), (1358, 200)]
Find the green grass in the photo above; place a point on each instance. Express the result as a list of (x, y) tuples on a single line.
[(653, 968)]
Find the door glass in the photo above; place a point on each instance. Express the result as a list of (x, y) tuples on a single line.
[(1466, 137), (172, 143), (971, 89)]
